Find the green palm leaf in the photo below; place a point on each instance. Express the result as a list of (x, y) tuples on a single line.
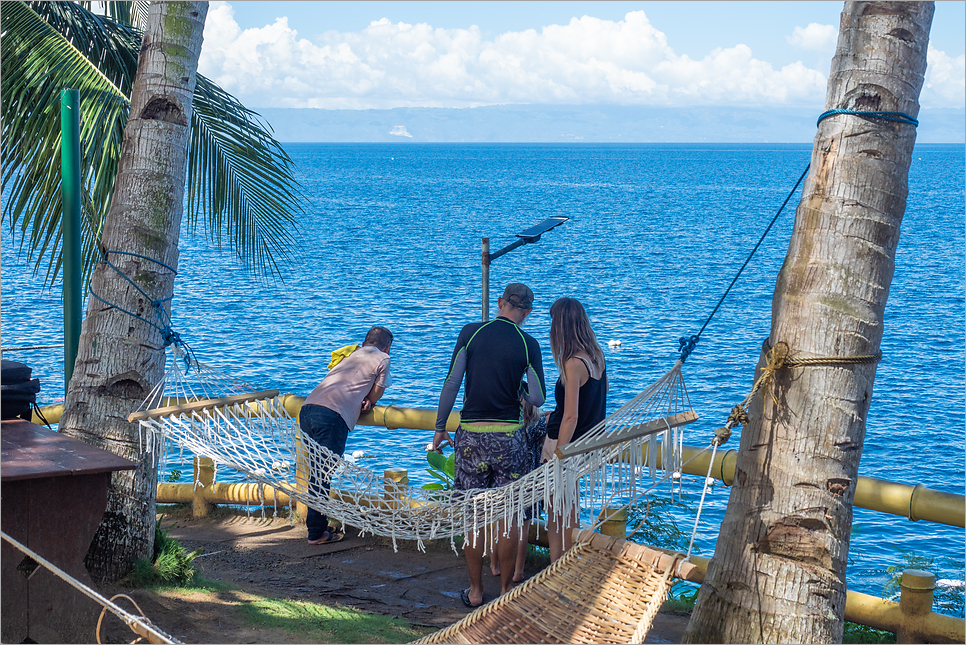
[(37, 63), (240, 182)]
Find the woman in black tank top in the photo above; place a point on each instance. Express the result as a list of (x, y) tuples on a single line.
[(581, 396)]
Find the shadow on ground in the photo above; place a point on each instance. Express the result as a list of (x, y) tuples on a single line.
[(266, 557)]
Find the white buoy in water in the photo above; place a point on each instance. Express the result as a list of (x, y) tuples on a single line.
[(358, 454), (613, 343), (429, 446)]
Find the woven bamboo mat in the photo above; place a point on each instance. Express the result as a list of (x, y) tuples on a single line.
[(603, 590)]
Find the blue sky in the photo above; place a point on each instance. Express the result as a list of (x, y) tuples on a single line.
[(457, 54)]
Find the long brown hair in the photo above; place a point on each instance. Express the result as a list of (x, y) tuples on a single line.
[(570, 332)]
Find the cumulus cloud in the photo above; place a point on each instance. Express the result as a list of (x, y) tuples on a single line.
[(815, 37), (945, 83), (586, 61)]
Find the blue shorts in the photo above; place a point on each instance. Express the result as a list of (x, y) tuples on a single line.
[(490, 459)]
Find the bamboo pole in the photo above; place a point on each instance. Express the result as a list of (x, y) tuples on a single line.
[(876, 612), (915, 502)]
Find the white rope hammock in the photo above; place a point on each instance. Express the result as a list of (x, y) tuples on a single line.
[(221, 417)]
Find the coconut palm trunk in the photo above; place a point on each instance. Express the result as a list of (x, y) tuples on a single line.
[(121, 356), (778, 572)]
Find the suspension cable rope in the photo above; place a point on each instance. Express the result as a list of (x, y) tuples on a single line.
[(688, 343), (140, 625), (778, 358), (24, 348), (704, 492)]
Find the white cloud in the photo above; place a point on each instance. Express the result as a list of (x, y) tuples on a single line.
[(586, 61), (945, 83), (400, 131), (815, 37)]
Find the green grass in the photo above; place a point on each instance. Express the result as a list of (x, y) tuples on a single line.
[(325, 624), (313, 623), (170, 564)]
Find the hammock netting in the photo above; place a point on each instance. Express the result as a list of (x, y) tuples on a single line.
[(215, 415)]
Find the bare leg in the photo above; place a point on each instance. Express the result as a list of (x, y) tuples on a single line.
[(559, 532), (554, 534), (507, 548), (474, 565), (494, 557), (522, 553)]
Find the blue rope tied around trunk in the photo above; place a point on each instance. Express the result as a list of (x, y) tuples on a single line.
[(168, 335), (899, 117)]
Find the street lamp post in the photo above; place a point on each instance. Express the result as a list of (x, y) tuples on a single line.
[(529, 236)]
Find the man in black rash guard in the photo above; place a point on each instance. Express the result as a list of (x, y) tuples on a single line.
[(490, 446)]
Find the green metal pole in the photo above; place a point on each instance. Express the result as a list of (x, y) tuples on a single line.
[(70, 160)]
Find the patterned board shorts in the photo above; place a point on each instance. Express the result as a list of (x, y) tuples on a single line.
[(490, 459)]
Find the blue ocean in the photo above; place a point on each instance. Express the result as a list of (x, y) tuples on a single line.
[(392, 236)]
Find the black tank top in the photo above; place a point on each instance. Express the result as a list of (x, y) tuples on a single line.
[(591, 405)]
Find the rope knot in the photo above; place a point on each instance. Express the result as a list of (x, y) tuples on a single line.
[(171, 337), (738, 415), (775, 359), (686, 346)]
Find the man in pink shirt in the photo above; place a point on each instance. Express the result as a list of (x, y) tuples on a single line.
[(350, 388)]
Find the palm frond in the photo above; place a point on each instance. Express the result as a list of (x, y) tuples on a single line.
[(38, 62), (240, 180), (133, 14)]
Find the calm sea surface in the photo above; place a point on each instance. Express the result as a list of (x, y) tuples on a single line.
[(392, 234)]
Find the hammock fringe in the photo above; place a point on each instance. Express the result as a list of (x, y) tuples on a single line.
[(238, 426)]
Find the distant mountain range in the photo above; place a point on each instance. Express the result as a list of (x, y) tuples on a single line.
[(575, 123)]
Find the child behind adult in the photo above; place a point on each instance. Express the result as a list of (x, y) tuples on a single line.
[(535, 426), (581, 396)]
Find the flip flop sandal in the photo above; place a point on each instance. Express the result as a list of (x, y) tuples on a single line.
[(465, 597), (334, 536)]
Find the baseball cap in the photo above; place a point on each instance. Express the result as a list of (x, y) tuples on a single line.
[(518, 295)]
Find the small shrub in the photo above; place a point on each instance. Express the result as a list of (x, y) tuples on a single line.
[(170, 564), (443, 469), (656, 526), (949, 596), (681, 599), (855, 633), (538, 557)]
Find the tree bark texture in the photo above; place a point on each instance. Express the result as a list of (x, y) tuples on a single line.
[(121, 357), (778, 572)]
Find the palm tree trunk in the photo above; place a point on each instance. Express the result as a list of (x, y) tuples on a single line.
[(121, 356), (778, 573)]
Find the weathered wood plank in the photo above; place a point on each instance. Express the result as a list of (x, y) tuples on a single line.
[(201, 405)]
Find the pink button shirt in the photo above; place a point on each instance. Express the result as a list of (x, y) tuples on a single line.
[(347, 384)]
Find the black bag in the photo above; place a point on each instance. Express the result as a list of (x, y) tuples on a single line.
[(18, 392)]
